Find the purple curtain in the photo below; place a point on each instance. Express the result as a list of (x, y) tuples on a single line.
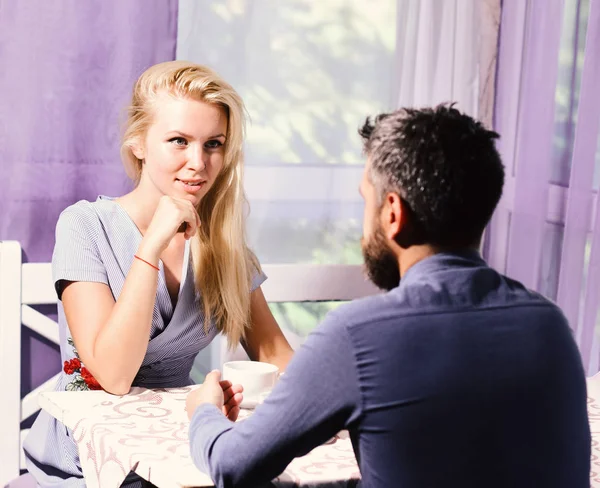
[(581, 303), (67, 72), (548, 117), (524, 116)]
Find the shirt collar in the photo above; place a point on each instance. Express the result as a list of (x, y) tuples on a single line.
[(443, 261)]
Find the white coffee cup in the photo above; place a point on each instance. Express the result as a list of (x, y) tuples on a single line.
[(258, 379)]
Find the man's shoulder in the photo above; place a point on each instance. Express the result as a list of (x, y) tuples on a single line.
[(518, 294), (365, 310), (402, 305)]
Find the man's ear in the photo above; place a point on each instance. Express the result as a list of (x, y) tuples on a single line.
[(393, 215)]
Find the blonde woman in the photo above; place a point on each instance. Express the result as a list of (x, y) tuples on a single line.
[(147, 280)]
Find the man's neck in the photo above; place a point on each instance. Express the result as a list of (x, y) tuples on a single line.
[(411, 256)]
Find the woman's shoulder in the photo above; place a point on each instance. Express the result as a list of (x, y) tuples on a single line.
[(82, 215), (80, 207), (84, 209)]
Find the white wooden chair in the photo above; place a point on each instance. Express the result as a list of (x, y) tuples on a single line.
[(21, 286), (25, 284)]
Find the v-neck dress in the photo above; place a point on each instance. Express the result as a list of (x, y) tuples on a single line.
[(96, 242)]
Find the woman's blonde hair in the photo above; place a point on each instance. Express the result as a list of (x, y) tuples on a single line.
[(223, 264)]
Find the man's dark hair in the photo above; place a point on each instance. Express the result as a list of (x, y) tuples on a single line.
[(444, 166)]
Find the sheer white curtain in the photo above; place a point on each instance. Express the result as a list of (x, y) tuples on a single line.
[(446, 51), (310, 72)]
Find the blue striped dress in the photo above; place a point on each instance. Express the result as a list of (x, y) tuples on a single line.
[(96, 242)]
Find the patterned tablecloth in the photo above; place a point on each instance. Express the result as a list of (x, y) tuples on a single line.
[(593, 386), (146, 431)]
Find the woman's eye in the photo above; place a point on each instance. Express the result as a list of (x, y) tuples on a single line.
[(214, 144), (178, 141)]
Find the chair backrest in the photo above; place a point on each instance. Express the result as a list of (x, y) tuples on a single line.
[(297, 283), (315, 282), (21, 286), (25, 284)]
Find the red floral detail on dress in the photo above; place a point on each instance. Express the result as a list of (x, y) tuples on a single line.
[(90, 380), (83, 379)]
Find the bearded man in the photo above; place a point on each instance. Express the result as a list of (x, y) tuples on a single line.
[(456, 376)]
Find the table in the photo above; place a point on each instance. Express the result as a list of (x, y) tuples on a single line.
[(146, 431), (593, 387)]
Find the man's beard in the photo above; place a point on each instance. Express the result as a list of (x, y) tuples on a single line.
[(380, 261)]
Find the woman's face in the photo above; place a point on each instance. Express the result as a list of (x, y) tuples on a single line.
[(184, 148)]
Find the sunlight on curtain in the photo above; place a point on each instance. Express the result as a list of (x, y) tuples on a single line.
[(546, 231), (310, 72), (571, 273)]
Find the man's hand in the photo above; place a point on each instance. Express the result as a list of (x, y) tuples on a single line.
[(222, 394)]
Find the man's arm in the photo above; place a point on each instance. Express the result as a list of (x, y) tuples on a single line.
[(318, 396)]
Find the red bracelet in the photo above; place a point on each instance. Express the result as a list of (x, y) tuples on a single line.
[(149, 264)]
